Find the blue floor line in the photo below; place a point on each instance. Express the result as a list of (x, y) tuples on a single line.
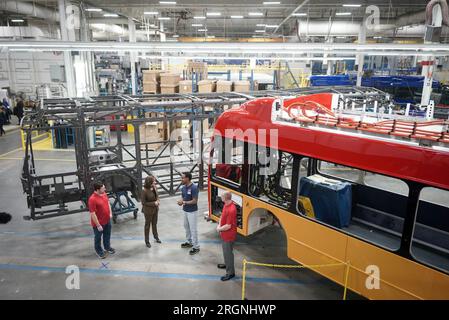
[(148, 274)]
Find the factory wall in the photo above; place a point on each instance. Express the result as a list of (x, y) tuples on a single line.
[(27, 71)]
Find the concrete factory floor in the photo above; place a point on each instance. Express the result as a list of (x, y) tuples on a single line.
[(34, 254)]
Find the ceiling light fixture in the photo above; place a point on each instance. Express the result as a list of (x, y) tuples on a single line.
[(268, 3), (343, 13), (199, 18), (236, 17), (94, 9), (352, 5), (301, 14), (175, 36), (260, 31), (213, 14), (163, 18), (151, 12), (110, 15), (167, 2), (255, 14), (271, 26), (202, 30), (17, 20), (197, 25), (261, 25)]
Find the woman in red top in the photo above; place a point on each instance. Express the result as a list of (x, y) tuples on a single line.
[(228, 232)]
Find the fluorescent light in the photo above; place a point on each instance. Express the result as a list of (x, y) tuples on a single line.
[(236, 17), (175, 36), (94, 9), (199, 17), (167, 2), (260, 31), (341, 37), (261, 25), (352, 5), (111, 15), (151, 12), (163, 18), (197, 25), (343, 13), (17, 20), (271, 2), (211, 37), (377, 37), (271, 26), (202, 30), (255, 14), (213, 14), (301, 14)]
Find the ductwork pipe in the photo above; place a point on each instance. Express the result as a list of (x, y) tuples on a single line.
[(444, 11), (29, 9)]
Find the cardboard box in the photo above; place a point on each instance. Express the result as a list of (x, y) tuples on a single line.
[(151, 87), (206, 86), (185, 86), (170, 79), (151, 76), (224, 86), (149, 132), (167, 89), (242, 86)]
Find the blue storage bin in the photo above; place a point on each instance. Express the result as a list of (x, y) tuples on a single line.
[(331, 201)]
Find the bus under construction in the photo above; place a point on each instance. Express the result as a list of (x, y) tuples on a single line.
[(368, 190)]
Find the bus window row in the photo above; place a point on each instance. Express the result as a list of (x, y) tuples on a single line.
[(368, 205)]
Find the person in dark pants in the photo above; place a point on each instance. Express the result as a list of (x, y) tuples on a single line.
[(100, 219), (228, 232), (19, 109), (150, 208), (3, 120)]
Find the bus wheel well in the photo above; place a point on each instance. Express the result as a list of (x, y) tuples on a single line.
[(260, 218)]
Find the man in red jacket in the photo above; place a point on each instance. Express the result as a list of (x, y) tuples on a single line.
[(228, 232), (100, 219)]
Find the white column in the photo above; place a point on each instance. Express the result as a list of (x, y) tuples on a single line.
[(132, 55), (330, 63), (360, 57), (427, 72), (68, 62)]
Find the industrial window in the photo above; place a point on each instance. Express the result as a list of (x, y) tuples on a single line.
[(430, 241), (368, 205), (228, 163), (385, 183), (271, 181), (339, 171)]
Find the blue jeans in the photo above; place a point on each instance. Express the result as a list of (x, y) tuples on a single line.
[(106, 233), (190, 226)]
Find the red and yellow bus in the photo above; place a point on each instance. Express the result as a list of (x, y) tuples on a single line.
[(398, 193)]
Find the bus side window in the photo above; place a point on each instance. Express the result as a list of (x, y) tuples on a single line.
[(430, 240), (231, 169)]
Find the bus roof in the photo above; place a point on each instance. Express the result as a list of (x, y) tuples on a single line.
[(396, 158)]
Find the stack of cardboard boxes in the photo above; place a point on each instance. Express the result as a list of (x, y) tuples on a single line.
[(199, 68), (206, 86), (170, 83), (185, 86), (224, 86), (151, 81)]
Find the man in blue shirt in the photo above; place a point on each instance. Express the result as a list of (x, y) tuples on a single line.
[(189, 203)]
